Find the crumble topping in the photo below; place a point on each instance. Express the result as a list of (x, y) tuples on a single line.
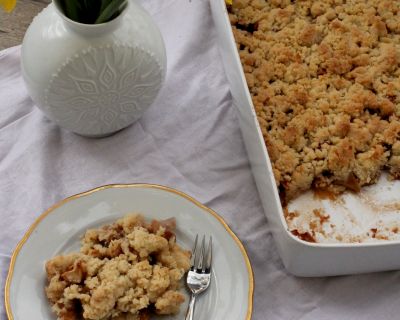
[(121, 272), (324, 80)]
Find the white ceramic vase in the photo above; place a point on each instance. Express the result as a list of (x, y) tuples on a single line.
[(93, 79)]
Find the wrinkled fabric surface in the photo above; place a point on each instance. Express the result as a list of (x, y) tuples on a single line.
[(189, 140)]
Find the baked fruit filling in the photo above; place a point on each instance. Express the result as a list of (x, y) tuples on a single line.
[(124, 271), (324, 80)]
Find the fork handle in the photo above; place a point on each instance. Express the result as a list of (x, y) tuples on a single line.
[(190, 309)]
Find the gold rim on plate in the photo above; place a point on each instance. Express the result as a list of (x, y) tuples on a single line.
[(138, 185)]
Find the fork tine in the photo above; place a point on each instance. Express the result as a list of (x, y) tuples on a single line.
[(208, 257), (199, 263), (193, 257)]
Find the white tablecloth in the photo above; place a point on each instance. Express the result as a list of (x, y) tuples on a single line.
[(190, 140)]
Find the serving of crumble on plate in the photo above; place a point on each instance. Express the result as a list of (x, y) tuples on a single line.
[(123, 271)]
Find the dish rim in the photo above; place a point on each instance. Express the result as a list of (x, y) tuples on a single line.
[(38, 220)]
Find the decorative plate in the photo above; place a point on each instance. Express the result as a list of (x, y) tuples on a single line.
[(58, 231)]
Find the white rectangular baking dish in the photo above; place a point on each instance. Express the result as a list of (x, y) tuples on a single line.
[(299, 257)]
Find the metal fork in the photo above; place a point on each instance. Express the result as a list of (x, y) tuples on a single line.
[(199, 276)]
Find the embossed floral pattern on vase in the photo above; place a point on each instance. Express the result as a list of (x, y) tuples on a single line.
[(103, 89)]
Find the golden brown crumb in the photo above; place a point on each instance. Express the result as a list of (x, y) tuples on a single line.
[(122, 269), (324, 79)]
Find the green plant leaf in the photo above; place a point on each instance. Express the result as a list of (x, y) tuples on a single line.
[(91, 11), (112, 9), (104, 4), (72, 9)]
